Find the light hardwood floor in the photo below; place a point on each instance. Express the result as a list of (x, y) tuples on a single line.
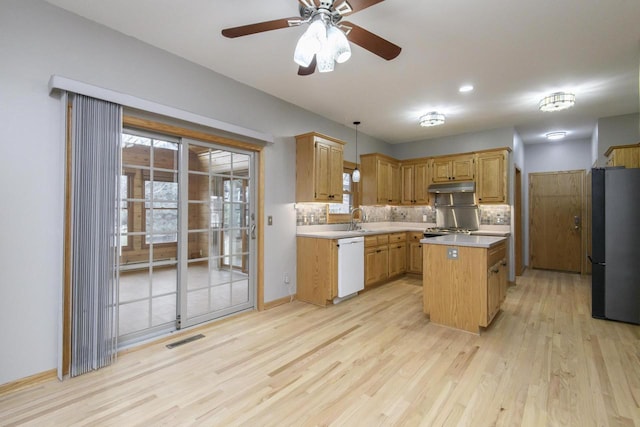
[(371, 360)]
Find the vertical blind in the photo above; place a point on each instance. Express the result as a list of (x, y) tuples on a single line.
[(96, 133)]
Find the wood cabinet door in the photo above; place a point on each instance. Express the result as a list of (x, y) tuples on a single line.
[(382, 181), (421, 194), (397, 259), (370, 267), (335, 174), (493, 294), (415, 257), (322, 171), (407, 190), (463, 168), (394, 183), (492, 178), (382, 262), (441, 170), (628, 157)]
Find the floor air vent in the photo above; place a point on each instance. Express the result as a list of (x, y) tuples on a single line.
[(184, 341)]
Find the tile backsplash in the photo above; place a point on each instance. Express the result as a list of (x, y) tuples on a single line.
[(495, 215), (316, 214)]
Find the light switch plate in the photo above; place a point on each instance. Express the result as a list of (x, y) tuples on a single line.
[(270, 220), (452, 253)]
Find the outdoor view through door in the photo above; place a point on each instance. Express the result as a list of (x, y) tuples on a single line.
[(185, 234)]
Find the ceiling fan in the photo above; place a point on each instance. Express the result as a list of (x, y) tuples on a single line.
[(327, 38)]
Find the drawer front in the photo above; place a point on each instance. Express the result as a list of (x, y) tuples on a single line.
[(496, 254), (415, 236), (397, 237), (383, 239), (370, 241)]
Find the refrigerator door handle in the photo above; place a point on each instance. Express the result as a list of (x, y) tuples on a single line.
[(596, 263)]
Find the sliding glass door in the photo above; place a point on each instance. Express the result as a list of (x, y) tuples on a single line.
[(219, 238), (185, 234)]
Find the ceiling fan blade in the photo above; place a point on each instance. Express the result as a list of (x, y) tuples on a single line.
[(309, 3), (306, 71), (260, 27), (347, 7), (371, 42)]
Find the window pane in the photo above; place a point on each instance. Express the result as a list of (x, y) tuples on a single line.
[(346, 182)]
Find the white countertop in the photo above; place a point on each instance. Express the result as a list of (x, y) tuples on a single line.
[(464, 240)]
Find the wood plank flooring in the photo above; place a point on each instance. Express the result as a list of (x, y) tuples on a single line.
[(371, 360)]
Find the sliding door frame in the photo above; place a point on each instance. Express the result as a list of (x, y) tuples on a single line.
[(151, 125), (181, 132)]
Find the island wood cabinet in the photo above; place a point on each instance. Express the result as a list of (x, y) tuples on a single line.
[(380, 180), (453, 168), (624, 155), (414, 252), (319, 165), (317, 270), (415, 182), (464, 292), (491, 177)]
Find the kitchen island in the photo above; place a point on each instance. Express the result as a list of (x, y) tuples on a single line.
[(464, 279)]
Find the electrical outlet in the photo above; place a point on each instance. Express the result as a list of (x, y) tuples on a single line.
[(286, 278), (424, 218)]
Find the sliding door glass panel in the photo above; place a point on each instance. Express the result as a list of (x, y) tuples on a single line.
[(148, 287), (218, 208)]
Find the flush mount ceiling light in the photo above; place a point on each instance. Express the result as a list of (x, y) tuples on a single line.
[(466, 88), (432, 119), (554, 136), (355, 177), (557, 101)]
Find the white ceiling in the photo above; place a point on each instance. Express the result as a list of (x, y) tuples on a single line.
[(513, 52)]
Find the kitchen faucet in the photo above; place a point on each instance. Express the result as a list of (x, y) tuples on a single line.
[(353, 225)]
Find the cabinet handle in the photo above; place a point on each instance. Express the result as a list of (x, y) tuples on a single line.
[(504, 263), (494, 270)]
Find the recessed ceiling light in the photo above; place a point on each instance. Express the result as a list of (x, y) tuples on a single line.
[(553, 136), (466, 88), (557, 101)]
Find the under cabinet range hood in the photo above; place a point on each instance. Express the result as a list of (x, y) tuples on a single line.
[(453, 187)]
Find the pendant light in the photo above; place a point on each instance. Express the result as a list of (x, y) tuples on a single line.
[(355, 177)]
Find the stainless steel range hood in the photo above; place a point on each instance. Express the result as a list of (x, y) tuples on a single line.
[(453, 187)]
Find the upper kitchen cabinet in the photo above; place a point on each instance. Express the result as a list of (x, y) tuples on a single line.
[(624, 155), (492, 176), (319, 165), (453, 168), (380, 180), (415, 182)]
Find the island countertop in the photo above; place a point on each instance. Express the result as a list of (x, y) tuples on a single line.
[(464, 240)]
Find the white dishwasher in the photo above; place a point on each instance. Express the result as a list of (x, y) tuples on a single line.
[(350, 267)]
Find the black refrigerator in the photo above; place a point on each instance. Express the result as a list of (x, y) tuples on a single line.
[(615, 251)]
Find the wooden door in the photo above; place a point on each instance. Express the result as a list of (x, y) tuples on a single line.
[(555, 220)]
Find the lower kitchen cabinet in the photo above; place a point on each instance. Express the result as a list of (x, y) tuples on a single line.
[(397, 254), (317, 270), (414, 252), (376, 259)]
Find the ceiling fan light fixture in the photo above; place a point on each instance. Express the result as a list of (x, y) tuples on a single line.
[(338, 44), (305, 50), (432, 119), (325, 59), (557, 101)]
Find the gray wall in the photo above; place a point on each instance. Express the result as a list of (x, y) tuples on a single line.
[(463, 143), (38, 40), (616, 130), (557, 156)]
